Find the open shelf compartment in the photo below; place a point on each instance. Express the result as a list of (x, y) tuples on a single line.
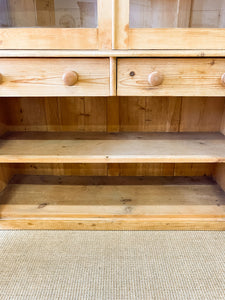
[(144, 163), (113, 203)]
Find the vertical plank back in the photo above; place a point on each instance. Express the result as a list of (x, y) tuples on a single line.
[(22, 13), (45, 11)]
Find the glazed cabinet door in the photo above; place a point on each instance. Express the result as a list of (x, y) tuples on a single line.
[(170, 24), (55, 24)]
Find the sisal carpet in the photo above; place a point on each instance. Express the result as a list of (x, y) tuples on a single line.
[(112, 265)]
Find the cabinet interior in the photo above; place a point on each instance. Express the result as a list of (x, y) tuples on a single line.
[(175, 13), (75, 186)]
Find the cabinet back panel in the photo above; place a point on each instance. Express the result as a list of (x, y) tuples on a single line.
[(115, 169), (100, 114)]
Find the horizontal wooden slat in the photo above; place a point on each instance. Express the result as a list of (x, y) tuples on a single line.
[(113, 53), (182, 77), (48, 38), (176, 38), (38, 147), (144, 203), (43, 77)]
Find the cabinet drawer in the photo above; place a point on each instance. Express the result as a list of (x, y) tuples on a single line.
[(54, 77), (171, 77)]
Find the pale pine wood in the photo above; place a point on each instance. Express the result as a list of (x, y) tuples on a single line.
[(155, 78), (43, 77), (74, 147), (189, 77), (138, 203), (179, 38), (213, 224), (113, 53), (121, 24), (113, 77), (49, 38), (105, 24), (70, 78)]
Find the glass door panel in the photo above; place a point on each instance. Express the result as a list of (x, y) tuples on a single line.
[(170, 24), (56, 24), (177, 14), (48, 13)]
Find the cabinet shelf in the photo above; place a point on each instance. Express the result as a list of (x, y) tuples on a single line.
[(68, 202), (70, 147)]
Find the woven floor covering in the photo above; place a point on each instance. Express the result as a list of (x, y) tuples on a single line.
[(112, 265)]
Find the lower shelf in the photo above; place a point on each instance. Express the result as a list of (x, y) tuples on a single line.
[(112, 203)]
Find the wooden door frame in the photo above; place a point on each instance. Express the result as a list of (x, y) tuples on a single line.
[(163, 38), (62, 38)]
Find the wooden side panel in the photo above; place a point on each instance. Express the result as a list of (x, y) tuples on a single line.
[(220, 175), (222, 127), (2, 119), (6, 173)]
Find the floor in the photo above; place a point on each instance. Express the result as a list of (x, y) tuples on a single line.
[(112, 265)]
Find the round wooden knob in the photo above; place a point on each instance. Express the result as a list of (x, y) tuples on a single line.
[(70, 78), (223, 79), (155, 78)]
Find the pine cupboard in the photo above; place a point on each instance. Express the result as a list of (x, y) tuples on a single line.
[(112, 115)]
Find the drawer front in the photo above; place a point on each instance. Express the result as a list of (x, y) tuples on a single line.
[(171, 77), (54, 77)]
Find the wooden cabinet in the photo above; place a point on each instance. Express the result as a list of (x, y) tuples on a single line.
[(55, 24), (112, 115)]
